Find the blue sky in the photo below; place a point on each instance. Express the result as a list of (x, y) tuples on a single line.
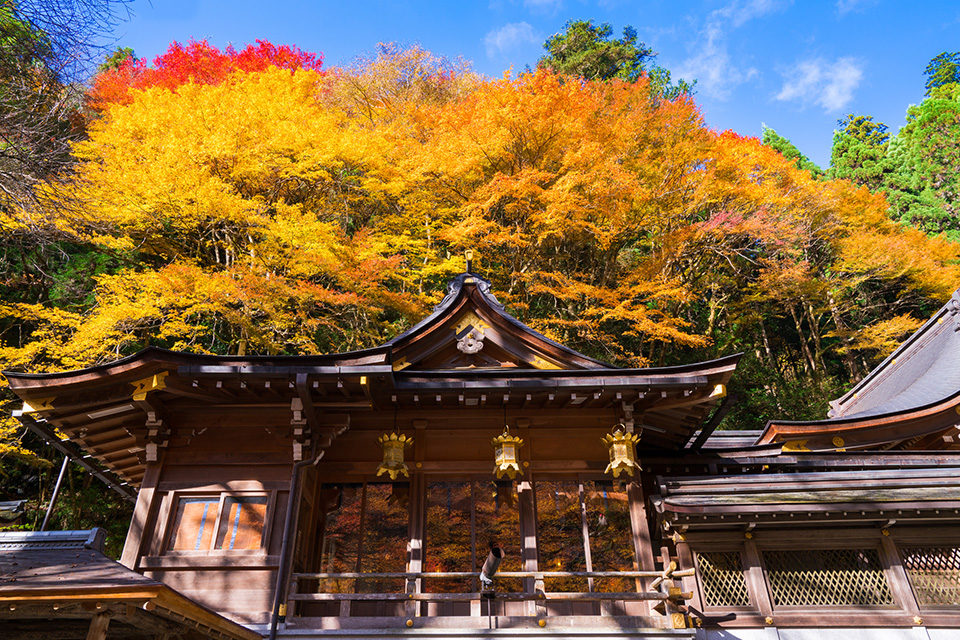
[(796, 66)]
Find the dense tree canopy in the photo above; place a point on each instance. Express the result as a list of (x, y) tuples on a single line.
[(301, 211), (589, 51), (228, 197)]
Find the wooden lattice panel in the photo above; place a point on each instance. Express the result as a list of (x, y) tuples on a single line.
[(934, 573), (721, 574), (826, 577)]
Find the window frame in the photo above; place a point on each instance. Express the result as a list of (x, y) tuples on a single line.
[(171, 518)]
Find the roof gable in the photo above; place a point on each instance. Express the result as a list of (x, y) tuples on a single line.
[(470, 329)]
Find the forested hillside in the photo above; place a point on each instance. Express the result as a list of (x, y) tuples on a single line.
[(253, 200)]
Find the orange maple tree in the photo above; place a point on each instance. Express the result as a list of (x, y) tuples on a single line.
[(251, 196)]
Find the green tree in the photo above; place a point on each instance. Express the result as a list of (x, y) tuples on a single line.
[(923, 185), (116, 59), (859, 151), (789, 151), (589, 51), (943, 69)]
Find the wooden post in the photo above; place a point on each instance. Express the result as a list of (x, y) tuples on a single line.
[(685, 561), (98, 627), (897, 575), (144, 515), (418, 489), (640, 528), (756, 584), (528, 534)]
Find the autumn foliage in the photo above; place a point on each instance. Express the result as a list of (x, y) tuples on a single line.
[(197, 62), (249, 197)]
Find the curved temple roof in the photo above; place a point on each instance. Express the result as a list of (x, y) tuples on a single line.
[(469, 352), (910, 400)]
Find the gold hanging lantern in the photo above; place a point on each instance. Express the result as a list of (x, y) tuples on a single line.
[(506, 460), (623, 458), (393, 445)]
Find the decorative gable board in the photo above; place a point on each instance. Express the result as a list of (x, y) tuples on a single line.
[(471, 329)]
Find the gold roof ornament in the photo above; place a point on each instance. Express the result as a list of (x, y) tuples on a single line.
[(506, 460), (393, 445), (623, 457)]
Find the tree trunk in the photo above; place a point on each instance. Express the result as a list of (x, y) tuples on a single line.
[(809, 364)]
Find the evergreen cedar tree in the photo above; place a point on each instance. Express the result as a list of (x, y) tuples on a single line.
[(252, 195), (589, 51), (916, 169)]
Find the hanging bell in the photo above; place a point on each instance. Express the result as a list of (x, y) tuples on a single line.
[(393, 445), (506, 460), (620, 445)]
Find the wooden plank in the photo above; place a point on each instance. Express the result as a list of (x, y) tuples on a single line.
[(473, 574), (463, 597), (211, 560)]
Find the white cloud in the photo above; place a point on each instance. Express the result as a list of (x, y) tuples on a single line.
[(712, 69), (739, 13), (510, 37), (846, 6), (818, 81), (711, 65), (543, 5)]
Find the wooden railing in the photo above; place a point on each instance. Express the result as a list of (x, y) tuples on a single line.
[(660, 589)]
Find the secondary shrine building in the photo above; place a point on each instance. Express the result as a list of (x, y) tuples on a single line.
[(358, 494)]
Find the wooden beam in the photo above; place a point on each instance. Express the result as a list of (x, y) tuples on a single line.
[(707, 429), (71, 450), (98, 627)]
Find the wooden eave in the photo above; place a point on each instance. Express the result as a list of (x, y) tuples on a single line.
[(927, 494), (105, 408), (929, 427)]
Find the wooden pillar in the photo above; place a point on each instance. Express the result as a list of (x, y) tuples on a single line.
[(685, 560), (528, 533), (756, 584), (640, 528), (98, 627), (418, 491), (144, 517), (897, 576)]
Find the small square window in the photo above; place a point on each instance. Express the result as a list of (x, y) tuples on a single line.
[(241, 526)]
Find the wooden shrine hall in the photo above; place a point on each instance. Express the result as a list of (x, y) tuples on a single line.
[(360, 494)]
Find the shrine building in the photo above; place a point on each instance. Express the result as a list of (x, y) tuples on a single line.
[(358, 495)]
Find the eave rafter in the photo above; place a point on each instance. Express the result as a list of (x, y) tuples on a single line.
[(911, 429)]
